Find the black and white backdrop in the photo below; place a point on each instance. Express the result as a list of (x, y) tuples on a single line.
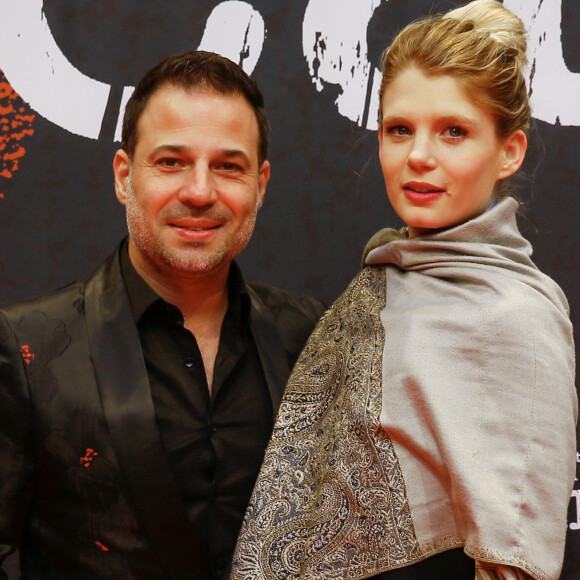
[(68, 66)]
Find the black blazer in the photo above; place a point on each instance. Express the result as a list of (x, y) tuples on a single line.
[(85, 485)]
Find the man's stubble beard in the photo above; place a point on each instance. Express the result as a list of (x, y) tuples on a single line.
[(193, 259)]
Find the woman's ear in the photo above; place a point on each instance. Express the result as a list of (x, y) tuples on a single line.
[(514, 152)]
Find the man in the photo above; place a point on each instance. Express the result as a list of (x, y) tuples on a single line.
[(135, 406)]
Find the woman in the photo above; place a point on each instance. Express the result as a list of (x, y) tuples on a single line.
[(428, 429)]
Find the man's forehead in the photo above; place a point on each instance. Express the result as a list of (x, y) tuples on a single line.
[(196, 92), (174, 115), (174, 99)]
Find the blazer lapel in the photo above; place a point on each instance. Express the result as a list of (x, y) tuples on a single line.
[(273, 357), (128, 407)]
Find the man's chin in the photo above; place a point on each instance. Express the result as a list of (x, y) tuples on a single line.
[(195, 262)]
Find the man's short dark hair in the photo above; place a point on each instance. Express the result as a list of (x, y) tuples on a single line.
[(191, 70)]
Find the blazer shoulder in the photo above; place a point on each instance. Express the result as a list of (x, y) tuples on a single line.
[(294, 316), (65, 302), (70, 297), (284, 303)]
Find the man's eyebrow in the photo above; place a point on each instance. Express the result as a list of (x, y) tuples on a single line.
[(169, 148), (174, 148), (235, 153)]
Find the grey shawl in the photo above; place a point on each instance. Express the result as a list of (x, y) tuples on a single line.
[(433, 407)]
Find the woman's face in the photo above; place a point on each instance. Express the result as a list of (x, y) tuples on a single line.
[(440, 153)]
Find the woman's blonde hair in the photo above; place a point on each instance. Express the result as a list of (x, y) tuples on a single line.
[(482, 45)]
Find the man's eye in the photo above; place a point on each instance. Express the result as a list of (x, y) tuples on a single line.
[(168, 162), (229, 167)]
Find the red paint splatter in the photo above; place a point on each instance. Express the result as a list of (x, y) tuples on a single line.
[(102, 546), (16, 121), (90, 454), (26, 354)]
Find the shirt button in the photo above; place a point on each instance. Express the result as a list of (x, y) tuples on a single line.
[(189, 362)]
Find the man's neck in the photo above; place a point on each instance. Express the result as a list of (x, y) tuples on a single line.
[(202, 300)]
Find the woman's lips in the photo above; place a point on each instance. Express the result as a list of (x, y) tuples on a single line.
[(422, 192)]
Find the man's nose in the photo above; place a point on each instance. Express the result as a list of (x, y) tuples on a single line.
[(198, 186)]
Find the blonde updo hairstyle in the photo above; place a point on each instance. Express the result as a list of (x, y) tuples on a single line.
[(482, 45)]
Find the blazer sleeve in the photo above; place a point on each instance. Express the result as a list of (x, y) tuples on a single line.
[(16, 463)]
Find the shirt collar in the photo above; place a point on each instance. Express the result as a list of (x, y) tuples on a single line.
[(142, 296)]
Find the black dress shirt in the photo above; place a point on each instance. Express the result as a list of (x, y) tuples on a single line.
[(215, 444)]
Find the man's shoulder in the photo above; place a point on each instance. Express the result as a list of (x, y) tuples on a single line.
[(294, 316), (54, 300), (69, 298), (280, 302), (43, 322)]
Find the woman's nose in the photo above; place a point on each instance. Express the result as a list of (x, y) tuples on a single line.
[(421, 155)]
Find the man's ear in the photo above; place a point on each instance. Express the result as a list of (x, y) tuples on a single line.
[(121, 169), (514, 151), (263, 178)]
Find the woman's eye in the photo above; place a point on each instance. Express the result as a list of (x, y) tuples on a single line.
[(399, 131), (456, 132)]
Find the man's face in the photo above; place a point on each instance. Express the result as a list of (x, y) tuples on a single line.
[(194, 186)]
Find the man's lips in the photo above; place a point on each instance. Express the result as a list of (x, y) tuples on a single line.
[(195, 230), (195, 225)]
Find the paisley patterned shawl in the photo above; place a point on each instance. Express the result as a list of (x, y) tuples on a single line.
[(333, 497)]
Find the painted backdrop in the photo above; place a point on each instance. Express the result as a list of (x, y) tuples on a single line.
[(68, 66)]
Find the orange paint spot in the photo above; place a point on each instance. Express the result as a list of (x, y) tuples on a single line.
[(90, 454), (22, 134), (26, 354), (20, 152), (102, 546), (16, 123), (5, 89)]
